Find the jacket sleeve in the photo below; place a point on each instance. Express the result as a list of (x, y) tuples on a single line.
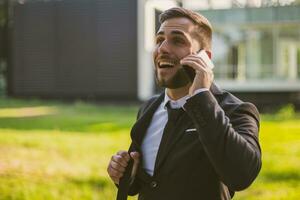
[(230, 140)]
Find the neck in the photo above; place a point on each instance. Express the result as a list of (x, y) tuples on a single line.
[(178, 93)]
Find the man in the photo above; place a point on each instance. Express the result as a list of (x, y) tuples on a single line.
[(210, 149)]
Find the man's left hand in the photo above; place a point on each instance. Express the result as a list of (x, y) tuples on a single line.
[(204, 74)]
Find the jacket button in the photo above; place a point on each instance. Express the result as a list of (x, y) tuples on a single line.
[(153, 184)]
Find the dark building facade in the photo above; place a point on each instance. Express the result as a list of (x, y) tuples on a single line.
[(74, 49)]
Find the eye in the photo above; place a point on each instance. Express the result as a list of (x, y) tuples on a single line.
[(178, 41), (159, 40)]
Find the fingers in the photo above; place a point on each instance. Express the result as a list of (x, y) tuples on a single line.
[(201, 58), (199, 69), (119, 162), (204, 74), (124, 154), (117, 165), (195, 62), (195, 58), (114, 174)]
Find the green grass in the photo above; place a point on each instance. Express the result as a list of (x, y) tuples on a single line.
[(52, 150)]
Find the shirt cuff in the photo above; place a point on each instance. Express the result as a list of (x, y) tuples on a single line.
[(195, 93), (199, 91)]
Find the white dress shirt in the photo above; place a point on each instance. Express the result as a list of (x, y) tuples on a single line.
[(155, 130)]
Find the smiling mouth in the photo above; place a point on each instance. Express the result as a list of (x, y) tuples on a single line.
[(165, 64)]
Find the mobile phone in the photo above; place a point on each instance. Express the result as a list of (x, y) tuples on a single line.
[(191, 72)]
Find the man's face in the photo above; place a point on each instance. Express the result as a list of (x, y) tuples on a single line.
[(174, 41)]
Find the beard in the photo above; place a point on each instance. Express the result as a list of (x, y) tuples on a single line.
[(179, 80)]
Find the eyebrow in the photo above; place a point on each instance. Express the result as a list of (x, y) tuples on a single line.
[(172, 32)]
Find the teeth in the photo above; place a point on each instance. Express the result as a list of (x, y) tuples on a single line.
[(165, 63)]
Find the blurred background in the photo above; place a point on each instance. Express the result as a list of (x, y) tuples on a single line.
[(73, 73)]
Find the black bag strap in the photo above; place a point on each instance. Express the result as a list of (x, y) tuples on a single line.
[(125, 181)]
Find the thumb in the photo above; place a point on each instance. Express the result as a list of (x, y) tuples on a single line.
[(135, 156), (136, 159)]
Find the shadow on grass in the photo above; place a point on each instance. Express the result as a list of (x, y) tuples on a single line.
[(96, 183), (78, 116), (283, 176), (64, 123)]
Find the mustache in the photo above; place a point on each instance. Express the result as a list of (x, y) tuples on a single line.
[(166, 57)]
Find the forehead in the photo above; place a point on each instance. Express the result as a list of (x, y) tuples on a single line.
[(177, 24)]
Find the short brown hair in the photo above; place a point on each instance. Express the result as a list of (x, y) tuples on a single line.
[(204, 28)]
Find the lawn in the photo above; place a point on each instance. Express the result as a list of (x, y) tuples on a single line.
[(52, 150)]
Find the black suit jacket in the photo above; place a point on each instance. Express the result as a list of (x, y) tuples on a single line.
[(212, 162)]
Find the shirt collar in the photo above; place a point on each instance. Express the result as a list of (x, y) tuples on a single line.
[(174, 104)]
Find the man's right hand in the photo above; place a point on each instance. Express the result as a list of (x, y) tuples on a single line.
[(119, 162)]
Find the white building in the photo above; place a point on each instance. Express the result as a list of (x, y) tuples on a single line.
[(256, 46)]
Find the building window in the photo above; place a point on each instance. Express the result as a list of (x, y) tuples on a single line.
[(268, 52)]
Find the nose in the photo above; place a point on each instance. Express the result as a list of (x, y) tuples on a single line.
[(163, 47)]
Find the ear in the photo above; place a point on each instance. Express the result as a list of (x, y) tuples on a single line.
[(209, 54)]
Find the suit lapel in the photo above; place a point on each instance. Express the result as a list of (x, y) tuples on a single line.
[(140, 127)]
